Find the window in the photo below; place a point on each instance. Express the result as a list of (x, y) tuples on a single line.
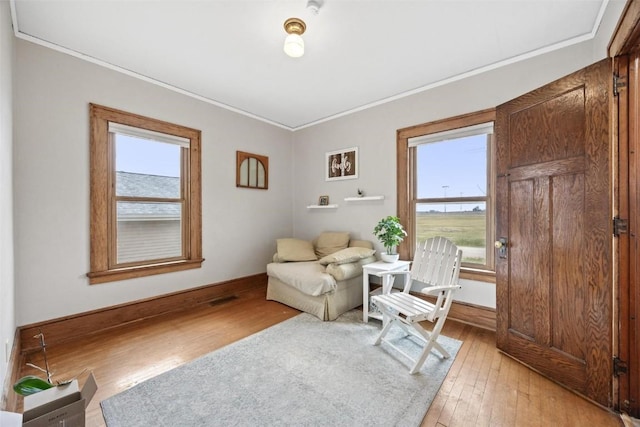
[(145, 196), (446, 187)]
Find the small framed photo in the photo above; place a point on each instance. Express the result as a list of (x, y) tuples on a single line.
[(341, 164), (323, 201)]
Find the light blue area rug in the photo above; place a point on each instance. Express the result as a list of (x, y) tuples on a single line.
[(301, 372)]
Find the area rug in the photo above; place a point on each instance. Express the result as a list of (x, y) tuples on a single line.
[(301, 372)]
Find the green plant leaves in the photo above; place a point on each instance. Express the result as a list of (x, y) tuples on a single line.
[(30, 385), (390, 232)]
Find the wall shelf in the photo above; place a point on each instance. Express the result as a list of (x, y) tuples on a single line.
[(363, 198), (322, 207)]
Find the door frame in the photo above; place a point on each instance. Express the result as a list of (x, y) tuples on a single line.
[(624, 48)]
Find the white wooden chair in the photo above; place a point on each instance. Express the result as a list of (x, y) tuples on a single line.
[(436, 264)]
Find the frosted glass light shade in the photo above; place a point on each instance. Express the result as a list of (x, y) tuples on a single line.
[(294, 46)]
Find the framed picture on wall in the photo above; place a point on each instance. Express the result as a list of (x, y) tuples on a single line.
[(341, 164), (323, 201)]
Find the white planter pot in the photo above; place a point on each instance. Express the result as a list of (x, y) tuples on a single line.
[(389, 257)]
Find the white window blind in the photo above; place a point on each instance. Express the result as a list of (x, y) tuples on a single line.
[(135, 132), (479, 129)]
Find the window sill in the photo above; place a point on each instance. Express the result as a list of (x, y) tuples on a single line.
[(96, 277)]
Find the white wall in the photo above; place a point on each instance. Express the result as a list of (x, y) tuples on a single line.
[(51, 177), (7, 288), (373, 131)]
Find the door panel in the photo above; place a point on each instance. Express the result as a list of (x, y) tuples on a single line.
[(549, 131), (521, 313), (553, 195), (567, 265)]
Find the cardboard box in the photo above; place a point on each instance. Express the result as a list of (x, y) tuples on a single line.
[(59, 406)]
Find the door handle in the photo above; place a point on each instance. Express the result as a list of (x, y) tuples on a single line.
[(501, 246)]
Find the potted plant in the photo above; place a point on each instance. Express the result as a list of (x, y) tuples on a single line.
[(32, 384), (390, 233)]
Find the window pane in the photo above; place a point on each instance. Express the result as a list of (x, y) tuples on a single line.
[(148, 231), (146, 168), (462, 223), (244, 173), (261, 175), (453, 168)]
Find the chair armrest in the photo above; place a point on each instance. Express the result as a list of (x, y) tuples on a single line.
[(394, 273), (432, 289)]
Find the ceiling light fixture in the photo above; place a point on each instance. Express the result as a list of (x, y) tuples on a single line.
[(293, 44)]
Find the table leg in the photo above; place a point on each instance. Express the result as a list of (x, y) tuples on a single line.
[(365, 297), (387, 286)]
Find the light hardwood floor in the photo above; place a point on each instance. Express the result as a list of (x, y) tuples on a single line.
[(483, 387)]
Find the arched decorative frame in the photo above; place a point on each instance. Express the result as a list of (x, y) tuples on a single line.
[(252, 170)]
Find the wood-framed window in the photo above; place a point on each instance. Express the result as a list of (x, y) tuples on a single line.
[(446, 188), (145, 196)]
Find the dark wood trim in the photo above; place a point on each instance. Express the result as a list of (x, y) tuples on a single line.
[(456, 122), (142, 271), (629, 207), (620, 123), (9, 401), (475, 315), (624, 47), (626, 37), (405, 165), (67, 328), (629, 259)]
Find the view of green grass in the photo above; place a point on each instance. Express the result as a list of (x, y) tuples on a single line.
[(465, 229)]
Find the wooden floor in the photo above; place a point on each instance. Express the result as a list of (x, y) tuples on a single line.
[(483, 387)]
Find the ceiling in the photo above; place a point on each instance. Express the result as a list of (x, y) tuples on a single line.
[(359, 53)]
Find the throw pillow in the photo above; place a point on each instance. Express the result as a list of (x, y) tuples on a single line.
[(295, 250), (330, 242), (361, 243), (347, 255), (348, 271)]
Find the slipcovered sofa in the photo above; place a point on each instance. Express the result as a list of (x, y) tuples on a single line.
[(322, 277)]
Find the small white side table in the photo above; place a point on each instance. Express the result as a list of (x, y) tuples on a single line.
[(387, 281)]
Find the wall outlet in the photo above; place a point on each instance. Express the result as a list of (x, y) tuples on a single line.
[(7, 351)]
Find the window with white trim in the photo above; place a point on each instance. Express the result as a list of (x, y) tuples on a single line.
[(145, 196)]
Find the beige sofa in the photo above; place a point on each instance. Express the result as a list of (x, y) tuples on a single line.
[(322, 277)]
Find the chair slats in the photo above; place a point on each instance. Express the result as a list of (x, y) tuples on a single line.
[(436, 263), (406, 304)]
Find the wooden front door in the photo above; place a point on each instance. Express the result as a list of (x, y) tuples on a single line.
[(554, 280)]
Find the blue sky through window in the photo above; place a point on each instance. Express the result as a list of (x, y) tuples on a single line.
[(148, 157), (453, 168)]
